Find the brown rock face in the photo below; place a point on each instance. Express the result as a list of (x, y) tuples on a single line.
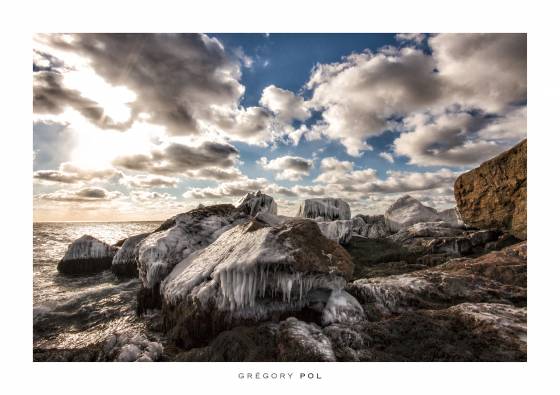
[(494, 195)]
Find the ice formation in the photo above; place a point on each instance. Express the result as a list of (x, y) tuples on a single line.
[(161, 251), (125, 260), (254, 203), (370, 226), (132, 348), (452, 217), (339, 231), (342, 307), (254, 270), (408, 211), (304, 339), (88, 247), (329, 209)]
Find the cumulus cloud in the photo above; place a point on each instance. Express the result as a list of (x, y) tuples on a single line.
[(341, 177), (50, 96), (416, 38), (458, 138), (227, 189), (149, 181), (367, 93), (70, 173), (253, 125), (284, 104), (292, 168), (178, 78), (150, 196), (86, 194), (178, 158), (387, 156), (361, 93)]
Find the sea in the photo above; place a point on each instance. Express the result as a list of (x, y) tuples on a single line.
[(72, 312)]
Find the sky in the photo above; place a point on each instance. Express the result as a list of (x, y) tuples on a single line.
[(133, 127)]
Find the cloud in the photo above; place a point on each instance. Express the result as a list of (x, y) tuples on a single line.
[(150, 196), (485, 71), (178, 158), (86, 194), (69, 173), (416, 38), (291, 168), (367, 93), (284, 104), (460, 138), (149, 181), (50, 96), (228, 189), (253, 125), (340, 177), (387, 156), (361, 93), (178, 78)]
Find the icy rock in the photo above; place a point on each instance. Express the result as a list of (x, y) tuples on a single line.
[(271, 219), (254, 203), (300, 341), (452, 217), (161, 251), (407, 211), (132, 348), (250, 273), (342, 307), (497, 277), (125, 261), (328, 208), (87, 255), (370, 226), (339, 230)]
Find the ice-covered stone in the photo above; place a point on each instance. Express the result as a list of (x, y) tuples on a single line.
[(407, 211), (161, 251), (452, 217), (329, 209), (132, 348), (339, 230), (342, 307), (300, 341), (258, 202), (125, 261), (87, 255), (370, 226), (251, 272)]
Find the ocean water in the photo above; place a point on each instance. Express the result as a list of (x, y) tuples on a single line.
[(71, 312)]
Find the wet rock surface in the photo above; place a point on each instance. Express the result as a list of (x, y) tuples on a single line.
[(87, 255)]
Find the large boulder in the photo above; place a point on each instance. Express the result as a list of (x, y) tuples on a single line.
[(87, 255), (254, 273), (254, 203), (125, 261), (328, 209), (494, 195), (176, 239), (370, 226), (407, 211)]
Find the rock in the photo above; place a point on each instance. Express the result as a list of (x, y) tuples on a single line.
[(465, 332), (370, 226), (254, 203), (250, 274), (452, 217), (339, 230), (407, 211), (329, 209), (497, 277), (162, 250), (125, 261), (494, 195), (87, 255)]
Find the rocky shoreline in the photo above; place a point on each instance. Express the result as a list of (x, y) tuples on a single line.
[(240, 283)]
